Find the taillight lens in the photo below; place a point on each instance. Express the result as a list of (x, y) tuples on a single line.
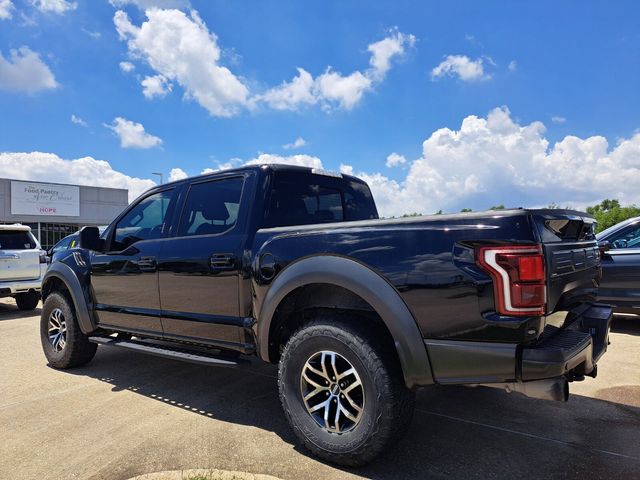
[(518, 278)]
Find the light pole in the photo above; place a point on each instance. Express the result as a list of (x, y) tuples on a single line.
[(160, 175)]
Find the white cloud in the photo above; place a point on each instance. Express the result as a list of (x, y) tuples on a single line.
[(346, 91), (297, 143), (494, 160), (156, 86), (92, 33), (299, 160), (132, 134), (394, 160), (181, 49), (145, 4), (513, 66), (54, 6), (289, 95), (177, 174), (127, 67), (24, 71), (5, 9), (48, 167), (346, 169), (466, 69), (332, 88), (78, 121), (384, 50), (261, 159), (558, 119)]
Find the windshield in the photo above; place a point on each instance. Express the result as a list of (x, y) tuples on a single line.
[(605, 233)]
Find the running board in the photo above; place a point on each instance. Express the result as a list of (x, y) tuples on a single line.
[(166, 351)]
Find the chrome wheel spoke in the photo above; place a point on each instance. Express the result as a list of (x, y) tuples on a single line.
[(324, 405), (57, 330), (313, 393), (332, 392), (348, 414), (352, 403)]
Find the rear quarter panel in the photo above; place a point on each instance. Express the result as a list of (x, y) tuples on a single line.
[(428, 260)]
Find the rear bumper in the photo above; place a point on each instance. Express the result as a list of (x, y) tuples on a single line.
[(13, 287), (571, 351)]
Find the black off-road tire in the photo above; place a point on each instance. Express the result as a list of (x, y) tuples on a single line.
[(27, 301), (388, 405), (77, 349)]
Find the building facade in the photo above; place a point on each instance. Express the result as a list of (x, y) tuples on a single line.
[(55, 210)]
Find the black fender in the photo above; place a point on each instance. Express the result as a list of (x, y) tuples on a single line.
[(66, 275), (368, 285)]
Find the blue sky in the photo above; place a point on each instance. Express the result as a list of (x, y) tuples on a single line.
[(549, 91)]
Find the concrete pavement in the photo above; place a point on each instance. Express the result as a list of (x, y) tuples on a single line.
[(126, 414)]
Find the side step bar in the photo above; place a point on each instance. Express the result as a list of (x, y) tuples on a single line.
[(166, 351)]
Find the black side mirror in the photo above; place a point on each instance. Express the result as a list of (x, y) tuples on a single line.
[(90, 239), (604, 246)]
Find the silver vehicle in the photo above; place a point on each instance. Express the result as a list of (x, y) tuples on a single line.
[(22, 265)]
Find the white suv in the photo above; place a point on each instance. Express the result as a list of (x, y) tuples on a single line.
[(22, 265)]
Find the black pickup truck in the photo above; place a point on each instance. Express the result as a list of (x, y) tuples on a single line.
[(293, 265)]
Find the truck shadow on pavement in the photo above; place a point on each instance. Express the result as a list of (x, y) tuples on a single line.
[(456, 432), (9, 311)]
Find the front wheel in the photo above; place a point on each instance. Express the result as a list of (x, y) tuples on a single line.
[(342, 391), (63, 343)]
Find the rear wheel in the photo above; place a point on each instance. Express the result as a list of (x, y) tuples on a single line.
[(342, 391), (28, 300), (63, 343)]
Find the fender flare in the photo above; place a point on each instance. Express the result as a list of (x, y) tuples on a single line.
[(368, 285), (66, 275)]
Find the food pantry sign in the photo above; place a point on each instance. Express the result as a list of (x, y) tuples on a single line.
[(28, 198)]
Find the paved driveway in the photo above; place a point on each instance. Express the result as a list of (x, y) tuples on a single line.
[(127, 413)]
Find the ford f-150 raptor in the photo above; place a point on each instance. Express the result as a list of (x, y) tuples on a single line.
[(294, 266)]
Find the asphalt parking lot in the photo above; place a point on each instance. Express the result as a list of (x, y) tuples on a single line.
[(127, 414)]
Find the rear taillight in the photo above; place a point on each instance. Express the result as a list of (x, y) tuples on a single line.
[(518, 278)]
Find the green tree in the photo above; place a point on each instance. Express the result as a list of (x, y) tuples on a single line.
[(465, 210), (497, 207), (609, 212)]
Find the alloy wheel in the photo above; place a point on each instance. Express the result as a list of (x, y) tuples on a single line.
[(57, 330), (332, 392)]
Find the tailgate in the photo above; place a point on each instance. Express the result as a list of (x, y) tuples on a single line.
[(572, 257), (19, 265)]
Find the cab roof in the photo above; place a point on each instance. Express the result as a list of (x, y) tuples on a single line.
[(279, 167)]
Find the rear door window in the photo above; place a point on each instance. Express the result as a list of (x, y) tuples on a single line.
[(16, 240), (211, 207), (296, 199)]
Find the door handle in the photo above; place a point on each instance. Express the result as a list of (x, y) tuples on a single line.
[(147, 264), (222, 261)]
